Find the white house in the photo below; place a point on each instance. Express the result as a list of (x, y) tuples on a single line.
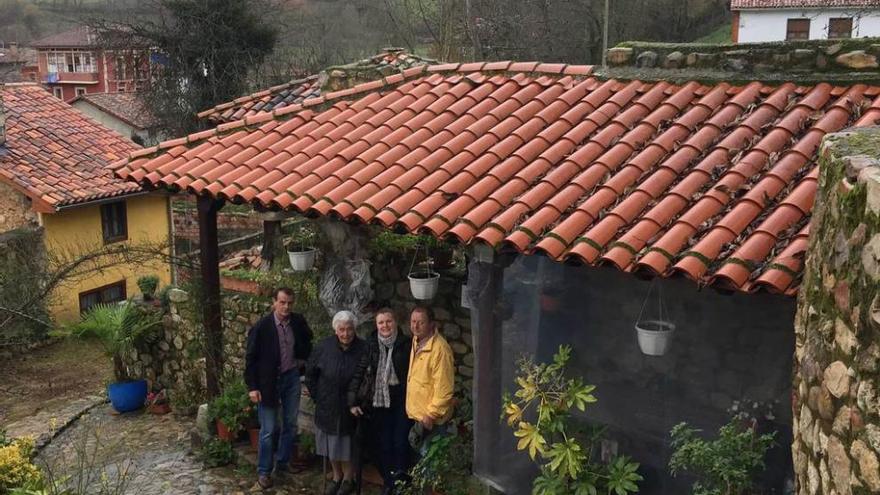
[(780, 20)]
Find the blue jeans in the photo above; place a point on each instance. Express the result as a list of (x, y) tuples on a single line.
[(288, 392)]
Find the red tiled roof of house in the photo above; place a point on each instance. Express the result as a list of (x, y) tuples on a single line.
[(789, 4), (390, 61), (56, 155), (78, 37), (127, 107), (713, 182)]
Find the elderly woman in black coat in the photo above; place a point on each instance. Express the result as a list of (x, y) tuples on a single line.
[(331, 367), (379, 390)]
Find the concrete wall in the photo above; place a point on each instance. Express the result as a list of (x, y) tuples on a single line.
[(78, 231), (725, 348), (837, 359), (114, 123), (770, 24), (15, 209)]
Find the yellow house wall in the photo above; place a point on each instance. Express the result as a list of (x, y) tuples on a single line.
[(78, 231)]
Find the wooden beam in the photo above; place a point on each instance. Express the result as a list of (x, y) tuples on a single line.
[(271, 244), (209, 257)]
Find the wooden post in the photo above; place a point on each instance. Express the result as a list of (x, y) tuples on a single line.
[(209, 258), (486, 327), (271, 243)]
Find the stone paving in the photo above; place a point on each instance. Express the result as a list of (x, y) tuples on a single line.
[(44, 425), (153, 454)]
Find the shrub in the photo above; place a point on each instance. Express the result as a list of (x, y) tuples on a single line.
[(148, 284), (16, 468), (119, 327), (565, 460), (216, 453), (726, 465)]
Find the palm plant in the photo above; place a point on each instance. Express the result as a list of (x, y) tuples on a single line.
[(118, 327)]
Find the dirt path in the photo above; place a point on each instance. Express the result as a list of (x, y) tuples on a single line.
[(49, 378)]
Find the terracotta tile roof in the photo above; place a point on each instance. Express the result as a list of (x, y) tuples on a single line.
[(712, 182), (56, 155), (390, 61), (78, 37), (783, 4), (125, 106)]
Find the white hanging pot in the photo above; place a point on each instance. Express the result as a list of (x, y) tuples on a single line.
[(302, 261), (423, 285), (654, 336)]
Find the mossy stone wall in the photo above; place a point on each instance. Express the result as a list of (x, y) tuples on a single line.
[(836, 396)]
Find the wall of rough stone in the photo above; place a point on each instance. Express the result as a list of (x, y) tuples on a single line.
[(836, 404), (15, 209), (826, 56)]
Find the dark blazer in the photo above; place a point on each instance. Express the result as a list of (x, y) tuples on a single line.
[(328, 375), (263, 355), (360, 392)]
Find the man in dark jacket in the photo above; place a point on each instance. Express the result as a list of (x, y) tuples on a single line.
[(277, 349)]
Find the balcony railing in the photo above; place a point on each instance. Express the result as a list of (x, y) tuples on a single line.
[(72, 77)]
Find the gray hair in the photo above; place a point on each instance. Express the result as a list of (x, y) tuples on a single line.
[(344, 317)]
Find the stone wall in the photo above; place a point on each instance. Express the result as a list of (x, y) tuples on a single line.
[(836, 407), (174, 358), (826, 56), (15, 209)]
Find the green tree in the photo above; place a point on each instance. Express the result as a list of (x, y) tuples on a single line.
[(201, 53), (564, 457), (726, 465)]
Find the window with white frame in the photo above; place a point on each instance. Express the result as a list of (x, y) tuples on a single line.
[(71, 62), (58, 92), (80, 91)]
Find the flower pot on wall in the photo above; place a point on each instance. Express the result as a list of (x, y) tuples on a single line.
[(239, 285), (654, 336), (423, 285), (303, 260), (127, 396), (254, 437), (223, 432)]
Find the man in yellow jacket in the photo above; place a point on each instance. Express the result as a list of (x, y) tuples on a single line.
[(429, 385)]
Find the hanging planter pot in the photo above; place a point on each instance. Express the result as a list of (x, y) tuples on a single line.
[(302, 260), (423, 285), (423, 281), (654, 336)]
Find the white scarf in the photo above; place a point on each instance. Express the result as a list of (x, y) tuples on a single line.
[(385, 374)]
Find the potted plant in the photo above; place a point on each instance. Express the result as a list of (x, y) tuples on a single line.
[(654, 336), (148, 285), (305, 451), (301, 248), (252, 425), (119, 327), (157, 402), (230, 410), (423, 281)]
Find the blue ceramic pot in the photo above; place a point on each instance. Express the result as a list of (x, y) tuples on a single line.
[(127, 396)]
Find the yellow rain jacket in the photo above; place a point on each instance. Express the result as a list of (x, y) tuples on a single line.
[(429, 385)]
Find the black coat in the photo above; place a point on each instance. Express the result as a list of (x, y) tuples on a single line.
[(360, 392), (328, 375), (263, 355)]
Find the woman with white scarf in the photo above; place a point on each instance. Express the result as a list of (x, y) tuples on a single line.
[(378, 391)]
